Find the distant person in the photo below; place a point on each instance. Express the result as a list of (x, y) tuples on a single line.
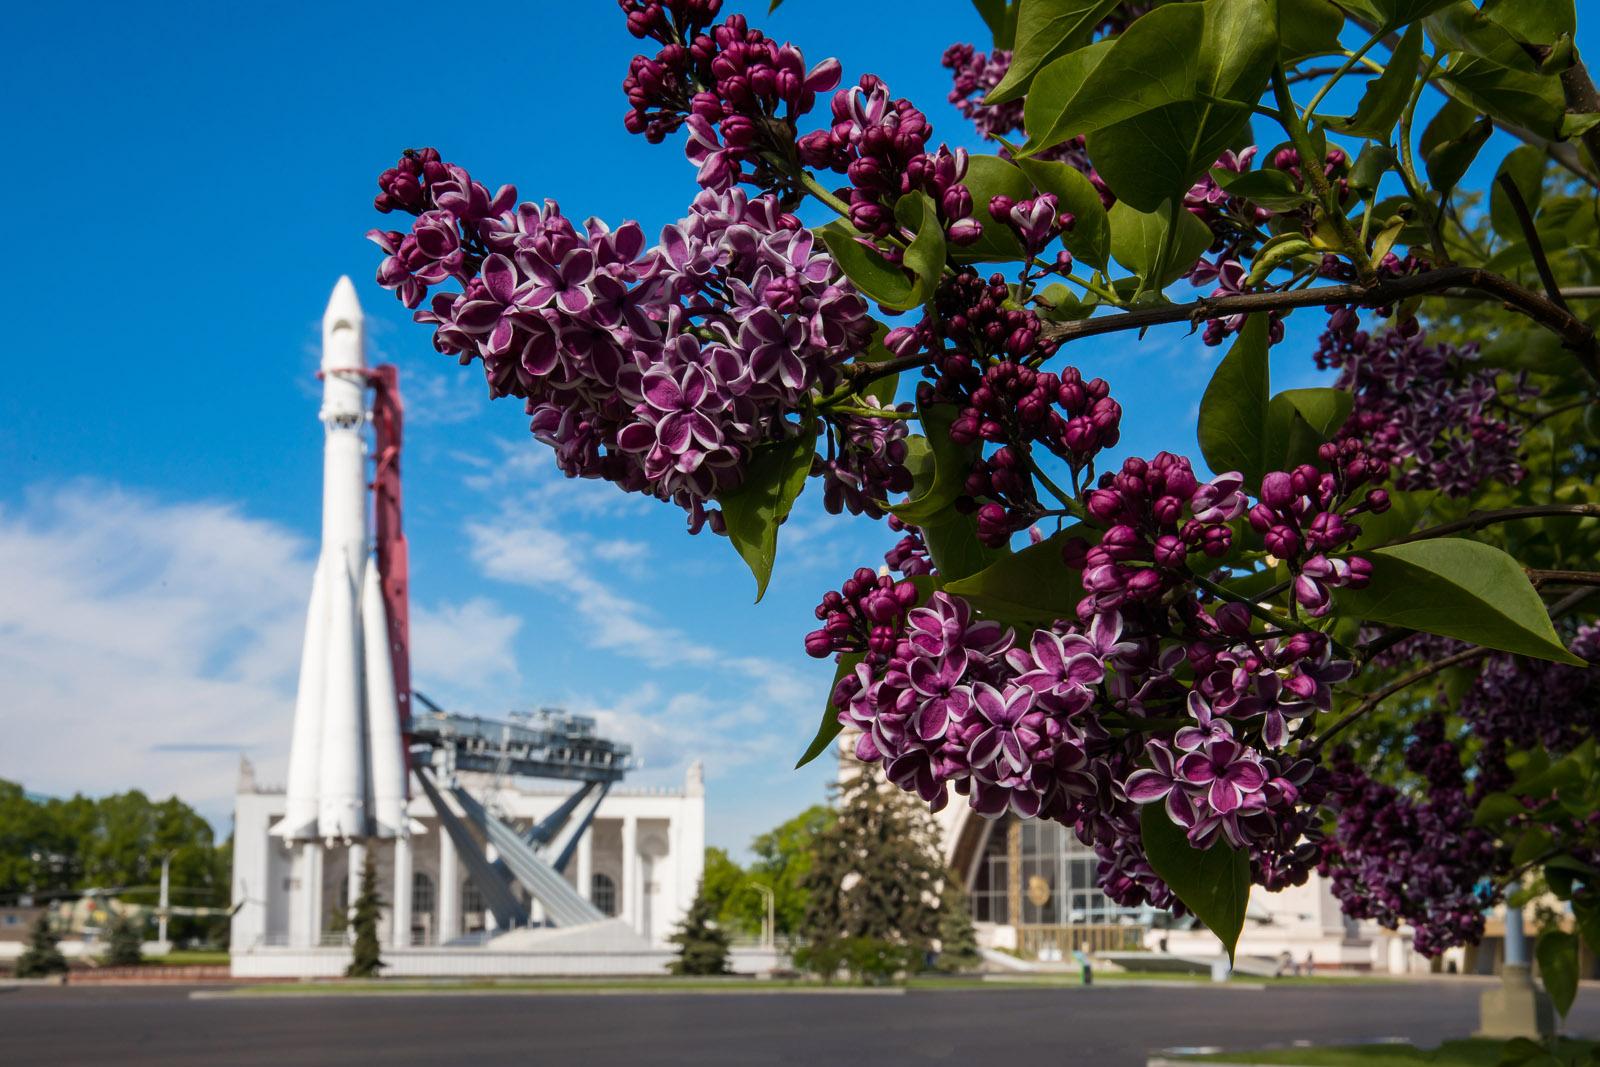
[(1286, 965), (1311, 964)]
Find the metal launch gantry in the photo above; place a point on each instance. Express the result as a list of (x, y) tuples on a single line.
[(543, 744)]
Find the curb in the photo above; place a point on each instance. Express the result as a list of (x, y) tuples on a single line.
[(445, 991)]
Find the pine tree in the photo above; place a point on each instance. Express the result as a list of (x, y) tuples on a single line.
[(702, 945), (41, 957), (124, 942), (365, 961), (958, 940), (873, 885)]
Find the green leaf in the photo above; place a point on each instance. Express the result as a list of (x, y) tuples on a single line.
[(1278, 251), (1557, 953), (1451, 142), (753, 511), (1060, 304), (1089, 240), (1298, 421), (1397, 13), (1457, 588), (996, 16), (1460, 29), (987, 177), (924, 257), (951, 463), (1497, 808), (1156, 153), (1540, 23), (1214, 883), (1586, 913), (1515, 96), (1387, 94), (830, 727), (1272, 189), (1405, 510), (1136, 242), (1058, 85), (954, 547), (1524, 166), (1307, 28), (866, 268), (1033, 585), (1233, 413), (1046, 30)]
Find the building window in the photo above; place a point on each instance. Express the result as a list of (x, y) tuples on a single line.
[(990, 900), (603, 894), (471, 908), (421, 894)]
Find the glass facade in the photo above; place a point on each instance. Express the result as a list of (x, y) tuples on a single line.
[(1055, 880)]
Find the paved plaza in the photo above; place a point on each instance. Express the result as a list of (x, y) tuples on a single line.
[(1104, 1026)]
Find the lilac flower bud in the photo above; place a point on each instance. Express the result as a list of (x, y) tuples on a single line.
[(1277, 489)]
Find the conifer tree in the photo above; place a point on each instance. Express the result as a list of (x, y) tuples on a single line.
[(41, 957), (958, 940), (875, 875), (124, 942), (702, 945), (365, 960)]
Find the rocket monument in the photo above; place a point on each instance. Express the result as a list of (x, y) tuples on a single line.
[(347, 759)]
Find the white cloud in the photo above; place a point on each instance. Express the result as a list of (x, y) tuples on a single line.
[(147, 644), (747, 709)]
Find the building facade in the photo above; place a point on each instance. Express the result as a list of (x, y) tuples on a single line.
[(639, 862), (1032, 891)]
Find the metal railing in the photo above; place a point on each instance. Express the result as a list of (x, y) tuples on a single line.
[(1059, 942)]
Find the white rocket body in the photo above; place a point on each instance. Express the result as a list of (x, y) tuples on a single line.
[(347, 776)]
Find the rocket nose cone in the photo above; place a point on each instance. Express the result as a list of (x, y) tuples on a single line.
[(341, 328)]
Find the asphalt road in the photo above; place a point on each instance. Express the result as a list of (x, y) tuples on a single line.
[(1103, 1025)]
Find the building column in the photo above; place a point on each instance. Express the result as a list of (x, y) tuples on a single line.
[(400, 914), (585, 876), (309, 913), (449, 890), (629, 908), (356, 862)]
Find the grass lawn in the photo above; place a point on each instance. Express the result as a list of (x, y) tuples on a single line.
[(1468, 1053)]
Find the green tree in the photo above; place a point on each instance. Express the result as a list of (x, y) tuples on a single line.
[(41, 957), (124, 941), (875, 876), (723, 883), (958, 940), (783, 859), (365, 961), (702, 944)]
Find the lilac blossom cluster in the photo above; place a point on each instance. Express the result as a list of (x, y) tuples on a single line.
[(1521, 703), (727, 85), (866, 460), (657, 370), (986, 365), (1425, 408), (1401, 860), (881, 145)]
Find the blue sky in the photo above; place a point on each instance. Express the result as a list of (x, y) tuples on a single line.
[(201, 174)]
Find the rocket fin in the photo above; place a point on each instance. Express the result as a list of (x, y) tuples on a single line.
[(384, 750), (305, 745), (341, 808)]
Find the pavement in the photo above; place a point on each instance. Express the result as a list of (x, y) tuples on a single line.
[(1104, 1025)]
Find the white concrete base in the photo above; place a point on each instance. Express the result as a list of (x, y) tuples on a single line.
[(556, 957)]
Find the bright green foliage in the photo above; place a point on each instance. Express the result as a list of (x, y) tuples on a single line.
[(55, 846), (702, 944), (365, 957), (41, 958)]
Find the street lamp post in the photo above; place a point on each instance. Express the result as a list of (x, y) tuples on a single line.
[(769, 927), (165, 900)]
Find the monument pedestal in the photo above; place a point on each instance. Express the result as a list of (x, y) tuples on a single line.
[(1516, 1008)]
